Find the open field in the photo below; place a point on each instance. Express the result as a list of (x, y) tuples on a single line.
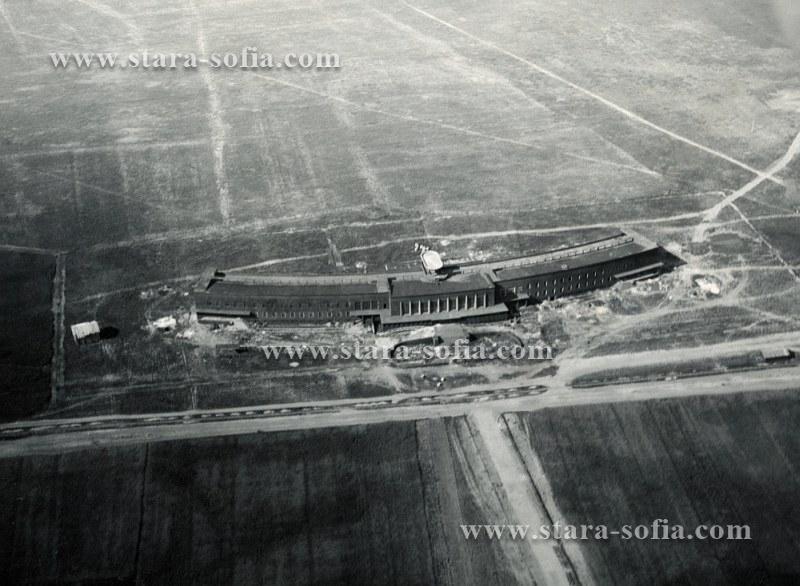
[(705, 460), (26, 332), (483, 130), (362, 504), (428, 120), (677, 370)]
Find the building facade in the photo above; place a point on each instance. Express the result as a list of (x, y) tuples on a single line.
[(465, 292)]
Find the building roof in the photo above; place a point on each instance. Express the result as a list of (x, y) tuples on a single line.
[(472, 276), (85, 329), (587, 256), (432, 286), (291, 286), (431, 261), (445, 316)]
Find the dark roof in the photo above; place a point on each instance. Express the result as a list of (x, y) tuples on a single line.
[(473, 277), (445, 316), (586, 259), (433, 286), (226, 288)]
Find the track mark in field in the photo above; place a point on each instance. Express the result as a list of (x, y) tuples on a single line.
[(446, 126), (49, 39), (461, 236), (775, 252), (597, 97), (59, 303), (776, 167), (545, 564), (216, 125), (28, 250), (375, 187), (138, 287), (278, 261), (75, 182), (467, 69), (101, 8), (11, 28)]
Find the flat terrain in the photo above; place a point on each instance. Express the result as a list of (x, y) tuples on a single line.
[(478, 129), (703, 460), (26, 332), (362, 504)]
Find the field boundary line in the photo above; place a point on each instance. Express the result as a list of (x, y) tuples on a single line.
[(215, 122), (10, 25), (544, 493), (521, 494), (58, 306), (775, 252), (458, 129), (30, 250), (776, 167), (595, 96), (124, 19)]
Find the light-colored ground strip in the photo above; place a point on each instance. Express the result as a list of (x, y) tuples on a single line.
[(139, 287), (10, 26), (455, 57), (50, 39), (75, 182), (105, 10), (484, 484), (446, 126), (78, 149), (775, 252), (776, 167), (215, 122), (547, 567), (544, 492), (58, 305), (380, 194), (262, 224), (587, 92), (28, 249), (83, 434), (465, 236)]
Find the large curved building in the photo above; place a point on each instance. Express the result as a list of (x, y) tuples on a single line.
[(438, 292)]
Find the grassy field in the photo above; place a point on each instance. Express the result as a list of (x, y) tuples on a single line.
[(431, 122), (425, 134), (370, 504), (706, 460), (26, 332), (689, 368)]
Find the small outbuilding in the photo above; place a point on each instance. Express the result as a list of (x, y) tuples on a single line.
[(86, 332), (165, 324), (773, 355)]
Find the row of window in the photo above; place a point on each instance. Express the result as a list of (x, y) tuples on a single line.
[(302, 314), (571, 283), (286, 306), (439, 304)]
